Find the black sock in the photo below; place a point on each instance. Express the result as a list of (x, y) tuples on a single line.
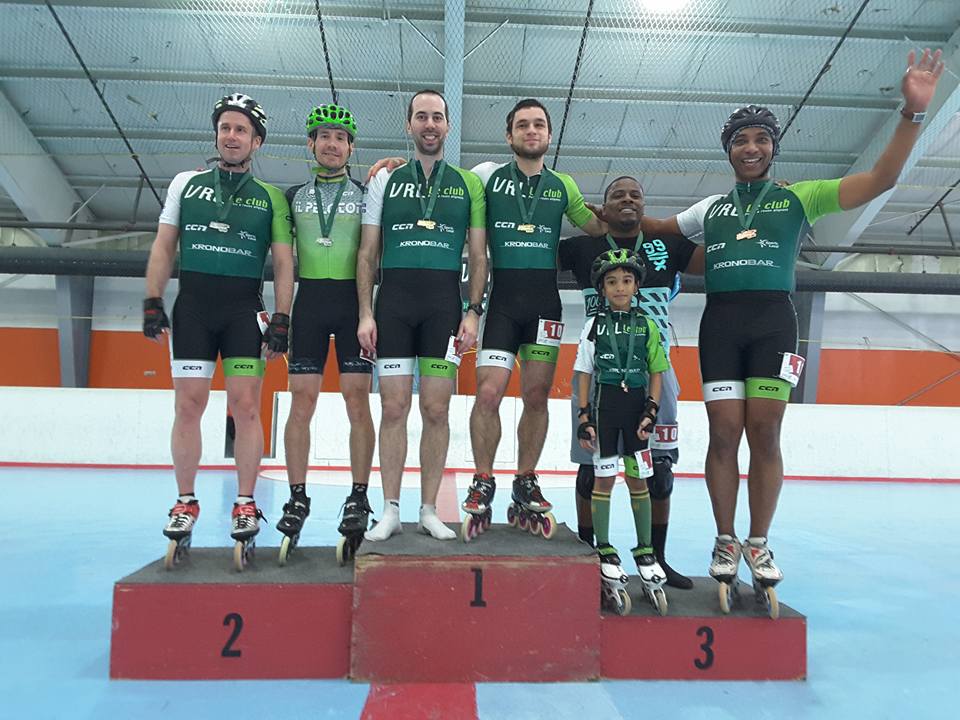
[(359, 489), (586, 533), (298, 491), (658, 539)]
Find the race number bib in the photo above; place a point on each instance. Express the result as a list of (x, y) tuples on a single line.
[(263, 320), (790, 368), (453, 351), (549, 332), (368, 357), (645, 461)]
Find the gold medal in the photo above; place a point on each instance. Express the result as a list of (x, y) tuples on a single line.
[(428, 224), (221, 226), (527, 228), (748, 234)]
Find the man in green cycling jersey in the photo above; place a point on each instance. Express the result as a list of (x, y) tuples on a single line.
[(748, 333), (224, 221), (326, 214), (415, 222)]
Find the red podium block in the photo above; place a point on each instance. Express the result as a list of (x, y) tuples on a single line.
[(203, 620), (697, 642), (505, 607)]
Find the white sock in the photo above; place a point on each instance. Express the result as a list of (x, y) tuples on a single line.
[(244, 500), (430, 524), (389, 524), (186, 497)]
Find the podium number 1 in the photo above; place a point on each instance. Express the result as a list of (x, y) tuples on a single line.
[(478, 600), (237, 621)]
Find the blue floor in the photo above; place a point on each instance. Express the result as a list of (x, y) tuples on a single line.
[(873, 566)]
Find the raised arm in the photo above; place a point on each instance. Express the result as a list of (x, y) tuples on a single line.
[(918, 86)]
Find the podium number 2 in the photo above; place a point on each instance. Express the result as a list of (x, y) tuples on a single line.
[(237, 621), (706, 632), (478, 600)]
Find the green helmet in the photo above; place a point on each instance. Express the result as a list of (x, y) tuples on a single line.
[(613, 259), (332, 116)]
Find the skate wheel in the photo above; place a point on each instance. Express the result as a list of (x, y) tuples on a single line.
[(624, 604), (523, 520), (286, 545), (725, 591), (342, 552), (239, 556), (548, 525), (466, 529), (660, 601), (173, 556), (773, 605)]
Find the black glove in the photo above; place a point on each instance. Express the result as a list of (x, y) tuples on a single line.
[(155, 320), (582, 433), (650, 411), (276, 335)]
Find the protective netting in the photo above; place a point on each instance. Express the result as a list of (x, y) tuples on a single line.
[(653, 84)]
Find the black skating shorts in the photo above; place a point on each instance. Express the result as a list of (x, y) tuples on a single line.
[(324, 308), (417, 311), (745, 334), (519, 300), (618, 416)]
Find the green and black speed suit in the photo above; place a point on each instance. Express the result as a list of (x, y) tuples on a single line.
[(524, 313), (223, 248), (418, 306), (748, 332), (326, 302), (621, 378)]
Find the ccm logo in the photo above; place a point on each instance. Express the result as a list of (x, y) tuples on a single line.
[(539, 352), (768, 388), (244, 366), (721, 388), (391, 366), (438, 366), (193, 367), (499, 357)]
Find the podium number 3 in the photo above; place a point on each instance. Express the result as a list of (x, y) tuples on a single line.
[(706, 632), (237, 621)]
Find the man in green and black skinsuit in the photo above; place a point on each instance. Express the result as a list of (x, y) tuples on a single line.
[(326, 215), (224, 221), (748, 333)]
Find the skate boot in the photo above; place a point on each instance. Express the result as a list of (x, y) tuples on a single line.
[(183, 516), (529, 510), (246, 524), (723, 569), (354, 517), (477, 506), (295, 512), (652, 578), (613, 582), (765, 573)]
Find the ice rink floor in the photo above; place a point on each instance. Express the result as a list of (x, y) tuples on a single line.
[(874, 566)]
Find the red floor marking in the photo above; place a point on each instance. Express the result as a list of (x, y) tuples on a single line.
[(421, 701), (448, 504)]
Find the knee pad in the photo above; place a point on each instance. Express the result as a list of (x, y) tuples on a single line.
[(585, 480), (661, 484)]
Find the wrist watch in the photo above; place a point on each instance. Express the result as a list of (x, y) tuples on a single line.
[(914, 117), (476, 307)]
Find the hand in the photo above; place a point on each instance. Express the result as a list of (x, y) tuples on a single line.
[(467, 332), (920, 80), (596, 210), (390, 164), (367, 334), (587, 434), (275, 339), (649, 418), (155, 320), (646, 427)]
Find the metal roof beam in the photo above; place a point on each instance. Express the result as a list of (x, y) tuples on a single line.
[(846, 228), (30, 177), (639, 21), (471, 89)]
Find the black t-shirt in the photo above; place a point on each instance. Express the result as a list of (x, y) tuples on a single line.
[(664, 257)]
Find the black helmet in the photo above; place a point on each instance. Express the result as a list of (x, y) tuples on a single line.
[(246, 105), (611, 260), (751, 116)]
